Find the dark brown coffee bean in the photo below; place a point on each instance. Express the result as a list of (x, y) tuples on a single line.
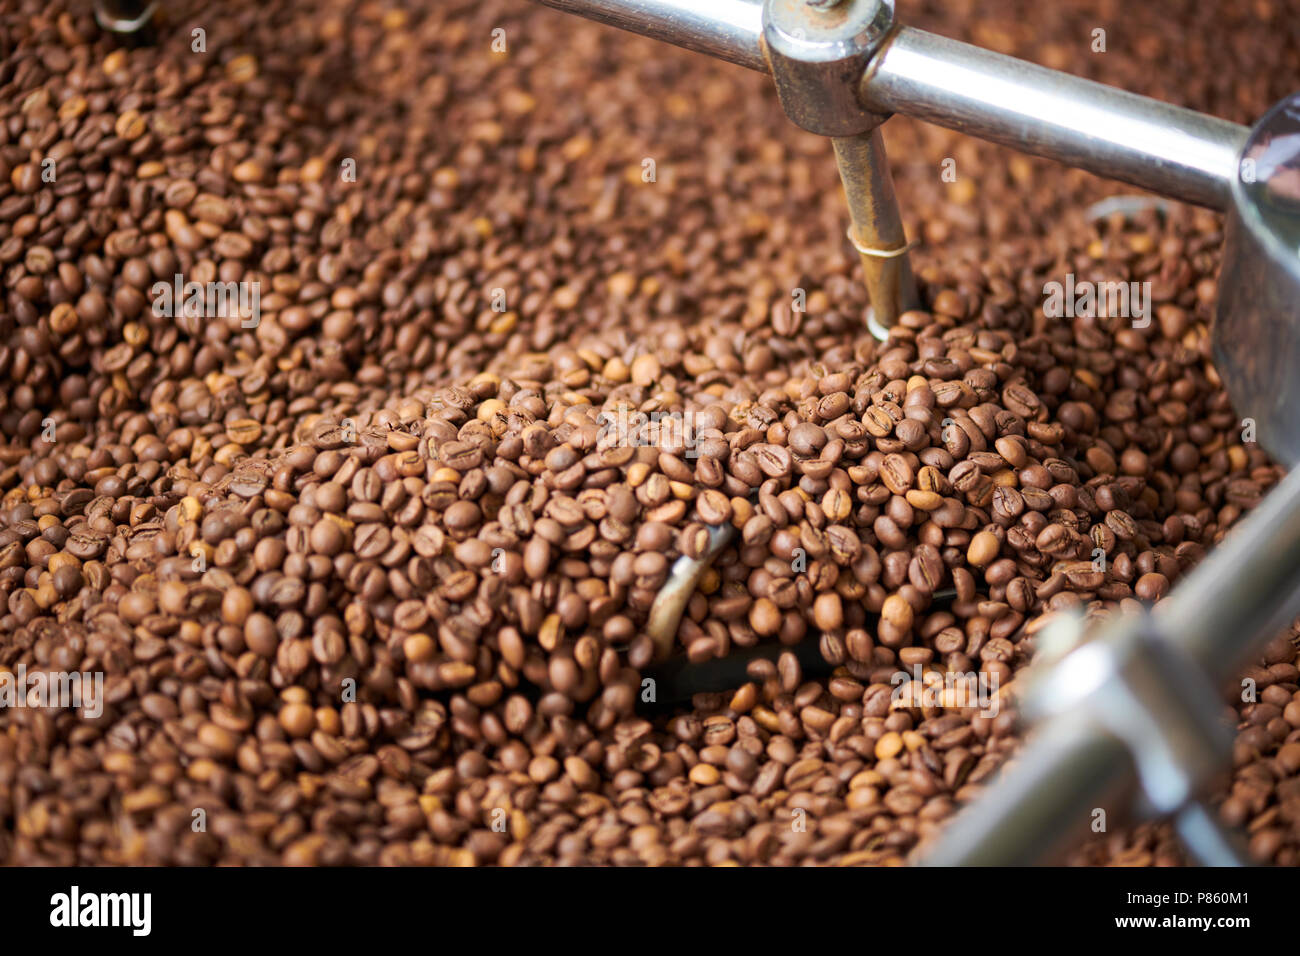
[(773, 460)]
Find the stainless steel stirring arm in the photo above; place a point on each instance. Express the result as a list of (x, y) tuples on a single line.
[(1135, 139)]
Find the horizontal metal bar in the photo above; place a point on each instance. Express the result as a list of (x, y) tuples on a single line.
[(1167, 149), (731, 30)]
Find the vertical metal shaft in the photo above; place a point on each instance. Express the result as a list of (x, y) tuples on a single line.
[(877, 231)]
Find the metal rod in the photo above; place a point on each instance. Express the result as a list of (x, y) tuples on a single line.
[(877, 227), (1167, 149), (1040, 803), (1205, 838), (1243, 594), (730, 30), (670, 603), (1236, 600)]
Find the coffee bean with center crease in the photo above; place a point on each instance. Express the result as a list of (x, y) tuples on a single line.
[(773, 460), (897, 474), (1054, 539), (713, 507)]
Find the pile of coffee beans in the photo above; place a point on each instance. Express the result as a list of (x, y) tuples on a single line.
[(366, 570)]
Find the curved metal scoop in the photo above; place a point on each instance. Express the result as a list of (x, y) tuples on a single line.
[(1257, 326)]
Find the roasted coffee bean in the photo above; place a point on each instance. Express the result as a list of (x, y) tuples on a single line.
[(896, 473), (773, 460), (983, 549)]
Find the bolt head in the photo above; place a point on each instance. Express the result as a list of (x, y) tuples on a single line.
[(818, 51)]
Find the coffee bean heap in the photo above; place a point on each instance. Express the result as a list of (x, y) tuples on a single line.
[(369, 581)]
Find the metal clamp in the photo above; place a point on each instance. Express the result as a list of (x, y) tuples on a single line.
[(818, 52), (1136, 685)]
